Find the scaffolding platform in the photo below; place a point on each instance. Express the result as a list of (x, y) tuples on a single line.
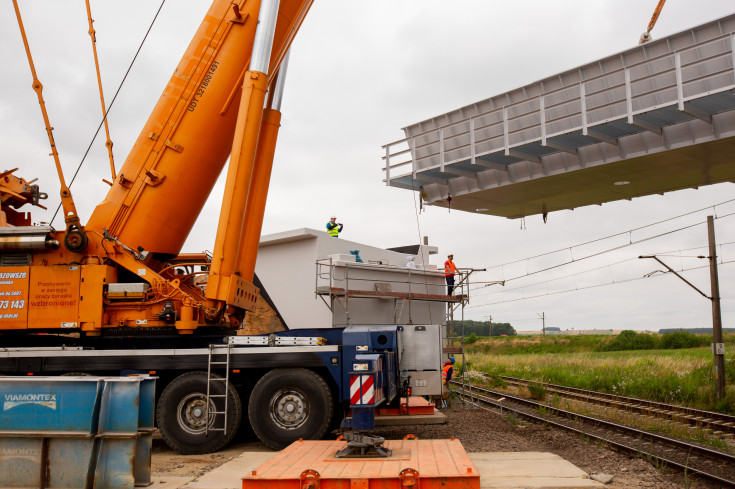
[(370, 294), (374, 294), (655, 118)]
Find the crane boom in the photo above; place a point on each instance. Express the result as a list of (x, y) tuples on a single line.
[(187, 139), (126, 273), (646, 36)]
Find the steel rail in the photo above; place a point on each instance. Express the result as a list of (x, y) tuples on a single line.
[(689, 448), (697, 417)]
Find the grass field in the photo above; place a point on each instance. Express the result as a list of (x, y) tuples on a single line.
[(680, 376)]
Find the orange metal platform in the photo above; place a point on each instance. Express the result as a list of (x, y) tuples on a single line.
[(414, 406), (414, 464)]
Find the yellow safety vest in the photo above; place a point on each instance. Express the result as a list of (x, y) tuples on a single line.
[(334, 231)]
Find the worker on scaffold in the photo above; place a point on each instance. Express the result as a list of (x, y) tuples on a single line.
[(450, 270), (334, 227)]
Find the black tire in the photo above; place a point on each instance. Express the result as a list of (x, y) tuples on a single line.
[(180, 414), (288, 404)]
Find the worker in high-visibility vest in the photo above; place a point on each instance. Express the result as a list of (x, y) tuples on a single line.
[(334, 227), (450, 270), (447, 370)]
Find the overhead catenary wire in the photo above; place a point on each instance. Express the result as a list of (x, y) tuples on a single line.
[(608, 250), (592, 286), (621, 233), (602, 267), (592, 255), (503, 291)]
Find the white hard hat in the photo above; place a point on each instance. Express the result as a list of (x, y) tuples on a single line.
[(333, 217)]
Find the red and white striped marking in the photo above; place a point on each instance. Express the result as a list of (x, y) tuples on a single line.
[(362, 389)]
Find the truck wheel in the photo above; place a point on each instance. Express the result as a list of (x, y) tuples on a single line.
[(181, 414), (288, 404)]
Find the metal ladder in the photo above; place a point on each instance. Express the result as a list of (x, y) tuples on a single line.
[(398, 309), (466, 382), (211, 381)]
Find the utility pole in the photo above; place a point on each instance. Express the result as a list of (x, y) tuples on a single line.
[(490, 321), (542, 316), (718, 346)]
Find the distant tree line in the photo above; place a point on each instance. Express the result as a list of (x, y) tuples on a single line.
[(631, 340), (482, 328), (694, 330)]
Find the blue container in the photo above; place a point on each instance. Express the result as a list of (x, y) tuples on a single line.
[(146, 417), (76, 432), (59, 404)]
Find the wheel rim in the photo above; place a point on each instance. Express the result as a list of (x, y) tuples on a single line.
[(192, 412), (289, 408)]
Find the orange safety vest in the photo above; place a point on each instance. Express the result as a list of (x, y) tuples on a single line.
[(450, 268), (447, 371)]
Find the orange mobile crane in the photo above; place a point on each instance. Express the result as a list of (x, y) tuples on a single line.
[(116, 297), (121, 270)]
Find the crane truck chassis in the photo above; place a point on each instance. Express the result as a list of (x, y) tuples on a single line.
[(288, 385)]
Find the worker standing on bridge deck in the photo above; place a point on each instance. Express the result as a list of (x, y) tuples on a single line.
[(450, 270), (333, 227)]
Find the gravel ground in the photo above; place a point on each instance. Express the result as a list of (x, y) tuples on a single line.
[(479, 431), (483, 431)]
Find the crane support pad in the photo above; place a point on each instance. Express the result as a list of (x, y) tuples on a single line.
[(429, 464), (656, 118)]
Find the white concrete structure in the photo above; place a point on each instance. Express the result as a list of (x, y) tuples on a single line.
[(287, 268)]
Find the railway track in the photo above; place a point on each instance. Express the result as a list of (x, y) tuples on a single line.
[(713, 465), (720, 424)]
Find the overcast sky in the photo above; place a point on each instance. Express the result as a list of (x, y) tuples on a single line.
[(359, 72)]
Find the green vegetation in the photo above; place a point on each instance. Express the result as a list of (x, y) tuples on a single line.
[(537, 392), (630, 340), (521, 345), (665, 372), (482, 328), (694, 330), (471, 339), (683, 339)]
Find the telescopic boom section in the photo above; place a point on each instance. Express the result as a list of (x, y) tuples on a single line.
[(212, 108), (258, 193), (173, 166), (224, 278)]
